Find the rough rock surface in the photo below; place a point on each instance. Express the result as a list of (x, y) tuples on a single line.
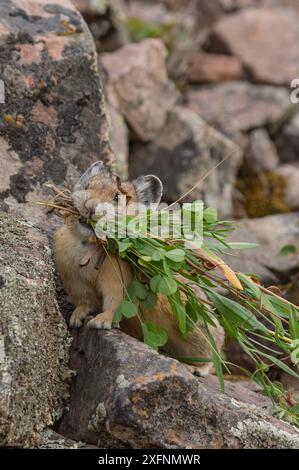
[(144, 93), (52, 122), (119, 140), (34, 340), (241, 106), (287, 142), (50, 439), (107, 21), (183, 152), (156, 402), (272, 233), (209, 68), (291, 193), (254, 36), (261, 153)]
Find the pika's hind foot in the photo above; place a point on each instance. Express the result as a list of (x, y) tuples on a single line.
[(102, 321), (200, 371)]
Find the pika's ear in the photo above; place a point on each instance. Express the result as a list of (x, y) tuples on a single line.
[(149, 190), (97, 168)]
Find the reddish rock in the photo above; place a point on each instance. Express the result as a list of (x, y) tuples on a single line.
[(53, 112), (265, 40), (241, 106), (209, 68), (138, 78)]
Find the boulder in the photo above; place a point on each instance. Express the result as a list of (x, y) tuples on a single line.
[(53, 122), (34, 341), (156, 402), (287, 142), (52, 440), (106, 20), (182, 153), (240, 107), (271, 233), (249, 35), (261, 153), (144, 93), (291, 193), (211, 68), (119, 140)]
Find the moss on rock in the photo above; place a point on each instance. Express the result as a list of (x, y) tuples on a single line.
[(264, 193)]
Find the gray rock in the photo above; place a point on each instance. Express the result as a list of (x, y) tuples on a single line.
[(156, 402), (53, 122), (106, 20), (240, 106), (34, 341), (119, 140), (287, 142), (50, 439), (183, 152), (272, 233), (261, 153), (291, 193), (249, 35)]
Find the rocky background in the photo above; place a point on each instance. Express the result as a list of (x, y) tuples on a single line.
[(170, 87)]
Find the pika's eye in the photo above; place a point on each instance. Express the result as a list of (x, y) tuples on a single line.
[(116, 197)]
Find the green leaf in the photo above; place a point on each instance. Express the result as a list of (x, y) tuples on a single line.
[(280, 364), (150, 301), (250, 285), (196, 311), (280, 307), (154, 335), (210, 215), (126, 309), (176, 255), (124, 245), (217, 360), (242, 245), (163, 284), (179, 311), (145, 258), (288, 249), (158, 255), (235, 312), (294, 324), (137, 290)]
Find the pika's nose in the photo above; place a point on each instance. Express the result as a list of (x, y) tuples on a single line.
[(91, 205)]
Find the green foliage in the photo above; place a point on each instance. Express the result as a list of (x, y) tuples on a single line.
[(288, 249), (154, 335), (174, 33), (265, 325)]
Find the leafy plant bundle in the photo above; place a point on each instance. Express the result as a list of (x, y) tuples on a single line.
[(265, 325)]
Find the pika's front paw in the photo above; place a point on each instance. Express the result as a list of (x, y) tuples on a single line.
[(78, 315), (103, 321)]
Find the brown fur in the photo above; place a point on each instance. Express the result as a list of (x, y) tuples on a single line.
[(96, 284)]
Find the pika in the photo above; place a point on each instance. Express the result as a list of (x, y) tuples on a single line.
[(95, 282)]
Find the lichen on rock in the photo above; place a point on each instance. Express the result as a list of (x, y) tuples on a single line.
[(33, 336)]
